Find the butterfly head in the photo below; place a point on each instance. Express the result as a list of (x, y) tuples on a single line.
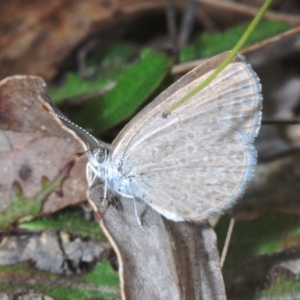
[(98, 156), (97, 166)]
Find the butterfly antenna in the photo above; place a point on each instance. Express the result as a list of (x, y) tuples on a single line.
[(44, 107), (78, 154)]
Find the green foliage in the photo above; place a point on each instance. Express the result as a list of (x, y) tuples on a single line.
[(281, 288), (103, 274), (75, 87), (113, 62), (71, 221), (101, 282), (133, 87), (264, 235), (104, 70), (208, 45), (22, 207), (133, 84)]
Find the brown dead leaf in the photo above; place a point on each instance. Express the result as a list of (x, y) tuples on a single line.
[(37, 36), (35, 150), (165, 259)]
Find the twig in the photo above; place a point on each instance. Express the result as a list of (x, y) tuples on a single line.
[(227, 241), (271, 40), (251, 11), (85, 98), (187, 66), (82, 57), (187, 22), (171, 23)]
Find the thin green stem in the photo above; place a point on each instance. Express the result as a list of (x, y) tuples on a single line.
[(226, 61)]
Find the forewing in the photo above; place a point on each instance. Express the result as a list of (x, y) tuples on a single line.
[(198, 158), (201, 70)]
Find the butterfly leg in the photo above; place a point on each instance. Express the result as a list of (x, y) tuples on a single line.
[(135, 209), (87, 169), (136, 214), (105, 193), (94, 171)]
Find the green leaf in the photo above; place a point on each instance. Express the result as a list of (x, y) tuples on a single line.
[(71, 221), (114, 61), (264, 235), (76, 87), (24, 207), (208, 45), (104, 68), (102, 274), (133, 87), (282, 287), (101, 282)]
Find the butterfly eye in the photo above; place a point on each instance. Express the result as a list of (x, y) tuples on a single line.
[(100, 156)]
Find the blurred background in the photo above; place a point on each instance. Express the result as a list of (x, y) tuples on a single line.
[(104, 60)]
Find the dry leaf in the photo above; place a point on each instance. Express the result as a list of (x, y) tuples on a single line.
[(37, 157), (165, 260)]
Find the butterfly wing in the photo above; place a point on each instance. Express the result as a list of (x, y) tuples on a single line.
[(198, 159)]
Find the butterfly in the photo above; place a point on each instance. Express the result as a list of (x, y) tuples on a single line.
[(194, 161)]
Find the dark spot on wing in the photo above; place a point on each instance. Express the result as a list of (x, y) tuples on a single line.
[(165, 115)]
